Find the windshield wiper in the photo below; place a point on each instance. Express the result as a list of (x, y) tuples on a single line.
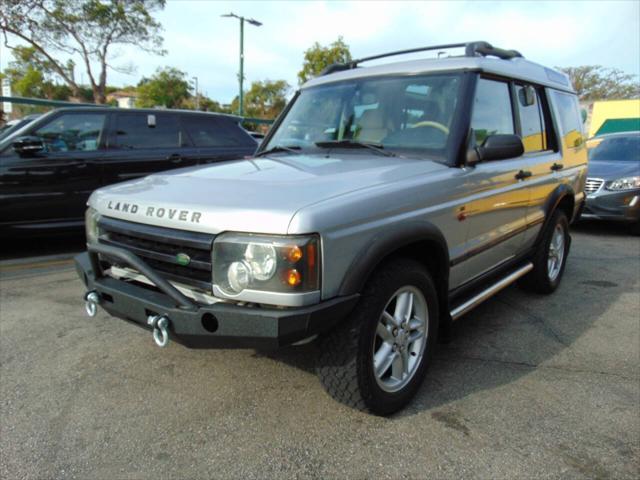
[(376, 147), (279, 148)]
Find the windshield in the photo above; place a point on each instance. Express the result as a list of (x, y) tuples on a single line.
[(617, 149), (401, 114)]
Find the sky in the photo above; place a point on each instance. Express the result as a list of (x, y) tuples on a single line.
[(206, 46)]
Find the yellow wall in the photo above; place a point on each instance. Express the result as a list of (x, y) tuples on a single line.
[(605, 110)]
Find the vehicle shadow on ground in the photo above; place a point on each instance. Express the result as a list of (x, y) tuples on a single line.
[(514, 333), (603, 228), (45, 245)]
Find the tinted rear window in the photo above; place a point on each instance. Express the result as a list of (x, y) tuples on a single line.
[(137, 130), (215, 132), (617, 149)]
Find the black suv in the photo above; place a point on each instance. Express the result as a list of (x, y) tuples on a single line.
[(49, 168)]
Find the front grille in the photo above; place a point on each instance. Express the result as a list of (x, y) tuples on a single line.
[(593, 185), (159, 248)]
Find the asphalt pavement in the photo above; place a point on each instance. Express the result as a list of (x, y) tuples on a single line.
[(531, 387)]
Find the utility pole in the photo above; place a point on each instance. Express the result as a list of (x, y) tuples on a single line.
[(241, 74)]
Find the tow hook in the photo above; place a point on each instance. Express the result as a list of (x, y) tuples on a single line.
[(160, 326), (91, 302)]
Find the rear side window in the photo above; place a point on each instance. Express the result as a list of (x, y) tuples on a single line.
[(215, 132), (569, 118), (492, 113), (72, 132), (142, 130), (531, 121)]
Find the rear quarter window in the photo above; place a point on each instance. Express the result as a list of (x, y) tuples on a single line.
[(215, 132), (568, 114)]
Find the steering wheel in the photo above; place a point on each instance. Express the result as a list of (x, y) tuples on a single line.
[(429, 123)]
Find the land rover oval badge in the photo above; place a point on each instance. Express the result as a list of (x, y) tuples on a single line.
[(183, 259)]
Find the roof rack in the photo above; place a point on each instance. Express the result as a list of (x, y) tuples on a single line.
[(471, 49)]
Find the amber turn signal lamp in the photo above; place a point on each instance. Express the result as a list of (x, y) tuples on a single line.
[(293, 278), (294, 254)]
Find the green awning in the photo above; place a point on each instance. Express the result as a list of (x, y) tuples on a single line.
[(615, 125)]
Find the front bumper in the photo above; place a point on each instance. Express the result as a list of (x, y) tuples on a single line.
[(221, 325), (611, 205)]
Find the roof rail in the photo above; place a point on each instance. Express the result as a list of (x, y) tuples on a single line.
[(471, 49)]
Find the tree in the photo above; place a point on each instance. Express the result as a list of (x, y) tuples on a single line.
[(317, 58), (168, 87), (31, 76), (264, 99), (205, 104), (594, 82), (87, 29)]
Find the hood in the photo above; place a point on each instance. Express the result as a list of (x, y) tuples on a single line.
[(258, 195), (611, 170)]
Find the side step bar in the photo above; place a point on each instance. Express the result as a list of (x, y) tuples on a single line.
[(476, 300)]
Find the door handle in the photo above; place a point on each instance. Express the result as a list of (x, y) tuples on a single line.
[(174, 158), (522, 174), (557, 166)]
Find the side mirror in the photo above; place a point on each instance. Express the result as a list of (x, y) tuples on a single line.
[(499, 147), (27, 146)]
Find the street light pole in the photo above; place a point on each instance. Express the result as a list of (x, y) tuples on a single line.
[(241, 74), (241, 95)]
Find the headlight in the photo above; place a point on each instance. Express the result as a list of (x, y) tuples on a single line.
[(264, 263), (626, 183), (91, 218)]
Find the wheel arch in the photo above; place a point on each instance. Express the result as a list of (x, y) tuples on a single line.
[(563, 198), (421, 241)]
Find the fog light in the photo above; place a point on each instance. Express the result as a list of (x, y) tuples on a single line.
[(238, 276)]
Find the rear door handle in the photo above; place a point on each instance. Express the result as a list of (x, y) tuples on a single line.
[(174, 158), (522, 174), (557, 166)]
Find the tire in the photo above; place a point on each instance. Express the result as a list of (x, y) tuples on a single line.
[(547, 274), (346, 362)]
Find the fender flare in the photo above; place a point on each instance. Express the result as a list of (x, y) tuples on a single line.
[(390, 241), (551, 204)]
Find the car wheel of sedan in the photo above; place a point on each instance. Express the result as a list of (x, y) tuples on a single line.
[(378, 358)]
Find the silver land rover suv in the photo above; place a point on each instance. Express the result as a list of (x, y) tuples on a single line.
[(385, 203)]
